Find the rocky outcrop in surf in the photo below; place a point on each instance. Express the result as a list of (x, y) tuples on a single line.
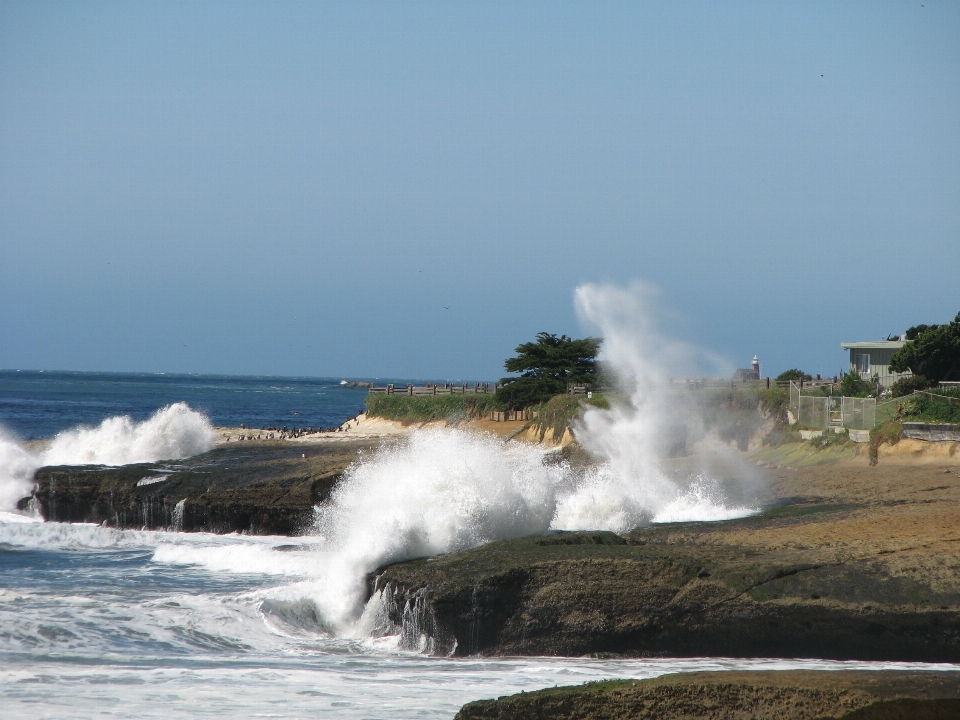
[(408, 615), (754, 587), (259, 488), (792, 695)]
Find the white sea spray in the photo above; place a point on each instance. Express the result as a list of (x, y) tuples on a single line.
[(172, 432), (17, 467), (444, 490)]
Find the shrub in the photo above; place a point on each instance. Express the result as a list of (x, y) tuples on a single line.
[(793, 374), (559, 411), (830, 438), (937, 406), (890, 432), (426, 408), (907, 385), (853, 385)]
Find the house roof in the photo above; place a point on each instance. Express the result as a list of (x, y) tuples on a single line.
[(875, 345)]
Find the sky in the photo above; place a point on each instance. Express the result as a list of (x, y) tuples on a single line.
[(412, 189)]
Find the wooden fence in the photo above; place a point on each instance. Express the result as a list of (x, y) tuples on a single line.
[(513, 415), (436, 389)]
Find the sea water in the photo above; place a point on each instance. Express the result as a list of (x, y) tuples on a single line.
[(100, 622), (104, 623), (39, 404)]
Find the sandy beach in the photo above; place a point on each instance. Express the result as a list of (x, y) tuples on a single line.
[(364, 427)]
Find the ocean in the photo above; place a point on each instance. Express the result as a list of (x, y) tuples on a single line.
[(37, 404), (98, 622)]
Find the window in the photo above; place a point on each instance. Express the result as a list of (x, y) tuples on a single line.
[(862, 363)]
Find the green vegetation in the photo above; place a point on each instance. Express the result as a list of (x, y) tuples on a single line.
[(852, 385), (546, 367), (793, 374), (932, 351), (802, 453), (737, 414), (559, 411), (426, 408), (831, 439), (909, 385), (939, 405), (890, 432)]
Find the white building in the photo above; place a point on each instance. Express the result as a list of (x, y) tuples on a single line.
[(873, 358)]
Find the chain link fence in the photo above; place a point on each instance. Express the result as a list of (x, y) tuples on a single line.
[(820, 412)]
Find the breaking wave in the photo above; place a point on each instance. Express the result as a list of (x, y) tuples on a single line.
[(17, 466), (446, 489), (440, 491), (173, 432)]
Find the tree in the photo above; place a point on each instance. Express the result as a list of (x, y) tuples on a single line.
[(932, 351), (546, 367), (793, 374)]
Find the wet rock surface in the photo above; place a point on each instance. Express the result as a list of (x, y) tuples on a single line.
[(789, 695), (870, 574), (253, 487)]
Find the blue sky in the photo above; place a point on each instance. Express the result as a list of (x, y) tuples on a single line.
[(412, 189)]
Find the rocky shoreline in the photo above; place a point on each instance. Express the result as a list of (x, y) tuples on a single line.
[(862, 565), (845, 561), (779, 695), (255, 487)]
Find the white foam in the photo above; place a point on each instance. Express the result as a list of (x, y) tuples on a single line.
[(237, 557), (17, 467), (171, 433), (442, 490), (18, 518), (67, 536), (634, 437), (151, 480), (702, 501)]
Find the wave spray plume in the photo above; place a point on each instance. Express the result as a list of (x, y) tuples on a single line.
[(634, 438), (448, 489)]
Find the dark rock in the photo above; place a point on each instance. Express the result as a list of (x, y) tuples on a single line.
[(682, 590), (258, 488), (785, 695)]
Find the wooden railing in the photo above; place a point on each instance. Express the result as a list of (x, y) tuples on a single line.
[(513, 415), (436, 389)]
